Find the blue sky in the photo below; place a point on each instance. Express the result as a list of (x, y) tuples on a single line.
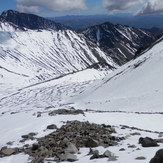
[(83, 7)]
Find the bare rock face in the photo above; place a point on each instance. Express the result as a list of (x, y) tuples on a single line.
[(158, 158)]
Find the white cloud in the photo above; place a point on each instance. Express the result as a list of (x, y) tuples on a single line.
[(27, 9), (152, 7), (120, 5), (55, 5)]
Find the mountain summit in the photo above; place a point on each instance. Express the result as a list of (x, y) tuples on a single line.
[(30, 21)]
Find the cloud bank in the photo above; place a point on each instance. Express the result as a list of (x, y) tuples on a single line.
[(54, 5), (120, 5), (27, 9), (113, 6), (150, 6)]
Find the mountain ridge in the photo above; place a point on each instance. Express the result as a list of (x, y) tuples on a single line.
[(123, 40), (31, 21)]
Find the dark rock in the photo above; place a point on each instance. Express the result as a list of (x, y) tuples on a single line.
[(35, 147), (10, 143), (38, 115), (140, 158), (25, 136), (32, 134), (51, 127), (132, 146), (135, 134), (38, 160), (159, 140), (158, 158), (91, 143), (148, 142), (122, 149), (138, 149), (95, 156), (28, 136), (93, 151)]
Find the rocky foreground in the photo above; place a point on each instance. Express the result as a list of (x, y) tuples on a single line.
[(65, 143)]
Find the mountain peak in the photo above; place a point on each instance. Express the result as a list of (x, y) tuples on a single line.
[(8, 12), (30, 21)]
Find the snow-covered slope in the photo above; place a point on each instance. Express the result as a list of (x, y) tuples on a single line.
[(136, 86), (124, 40), (36, 56)]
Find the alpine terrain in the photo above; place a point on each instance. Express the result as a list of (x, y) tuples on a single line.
[(68, 96), (123, 40)]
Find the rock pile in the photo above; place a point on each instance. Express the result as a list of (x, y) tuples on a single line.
[(65, 142)]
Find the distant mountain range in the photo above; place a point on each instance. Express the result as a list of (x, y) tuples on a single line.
[(141, 21)]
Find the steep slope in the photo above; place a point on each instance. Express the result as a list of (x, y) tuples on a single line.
[(136, 86), (124, 40), (31, 21), (36, 56)]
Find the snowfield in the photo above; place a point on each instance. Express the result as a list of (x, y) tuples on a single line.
[(134, 87)]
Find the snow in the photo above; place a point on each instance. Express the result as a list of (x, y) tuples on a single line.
[(21, 158), (136, 86), (98, 35)]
